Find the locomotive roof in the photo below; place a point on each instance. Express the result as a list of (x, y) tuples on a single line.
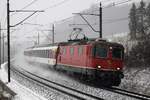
[(80, 42), (91, 41)]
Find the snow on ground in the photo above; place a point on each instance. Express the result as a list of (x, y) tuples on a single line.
[(137, 80), (62, 78), (23, 93)]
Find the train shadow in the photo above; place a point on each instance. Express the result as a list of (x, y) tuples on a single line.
[(86, 81), (74, 76), (93, 83), (81, 79)]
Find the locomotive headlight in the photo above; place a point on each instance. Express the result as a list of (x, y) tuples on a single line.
[(99, 66), (110, 48), (118, 68)]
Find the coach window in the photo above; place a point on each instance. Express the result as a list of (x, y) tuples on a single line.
[(42, 53), (46, 53), (71, 51), (80, 50), (37, 53)]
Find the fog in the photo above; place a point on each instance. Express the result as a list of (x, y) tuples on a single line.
[(60, 13)]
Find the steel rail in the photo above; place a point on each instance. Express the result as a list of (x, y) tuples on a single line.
[(143, 96), (56, 86), (113, 89), (127, 93)]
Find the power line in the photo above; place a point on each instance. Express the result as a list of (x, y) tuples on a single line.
[(116, 20), (72, 16), (114, 4), (26, 6), (32, 24), (23, 20), (107, 22), (21, 9), (32, 2), (63, 20), (34, 11), (56, 5), (8, 35)]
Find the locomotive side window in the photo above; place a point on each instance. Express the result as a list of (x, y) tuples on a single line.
[(71, 51), (64, 51), (117, 53), (101, 51), (80, 50)]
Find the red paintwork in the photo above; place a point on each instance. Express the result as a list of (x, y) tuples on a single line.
[(87, 60), (76, 59)]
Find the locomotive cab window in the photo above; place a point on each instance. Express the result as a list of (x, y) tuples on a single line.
[(64, 51), (117, 53), (100, 52), (80, 50), (71, 51)]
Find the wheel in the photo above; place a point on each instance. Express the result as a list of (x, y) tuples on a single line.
[(117, 82)]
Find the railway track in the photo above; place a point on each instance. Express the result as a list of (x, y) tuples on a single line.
[(56, 86), (129, 93), (76, 93)]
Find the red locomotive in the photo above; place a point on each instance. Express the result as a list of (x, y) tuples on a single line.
[(96, 59)]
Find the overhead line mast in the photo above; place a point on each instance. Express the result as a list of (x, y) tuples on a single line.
[(100, 20), (8, 30), (8, 39)]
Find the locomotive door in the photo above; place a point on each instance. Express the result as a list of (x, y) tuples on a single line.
[(71, 57), (87, 60)]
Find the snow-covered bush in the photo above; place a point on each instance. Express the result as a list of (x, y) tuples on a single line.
[(139, 54)]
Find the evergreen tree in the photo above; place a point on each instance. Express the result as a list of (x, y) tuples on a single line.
[(148, 19), (133, 22), (141, 14), (139, 54)]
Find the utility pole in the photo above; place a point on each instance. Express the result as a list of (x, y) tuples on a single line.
[(38, 41), (3, 47), (0, 45), (8, 30), (53, 34), (8, 39), (100, 20)]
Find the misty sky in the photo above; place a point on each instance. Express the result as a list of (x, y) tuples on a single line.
[(54, 11)]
